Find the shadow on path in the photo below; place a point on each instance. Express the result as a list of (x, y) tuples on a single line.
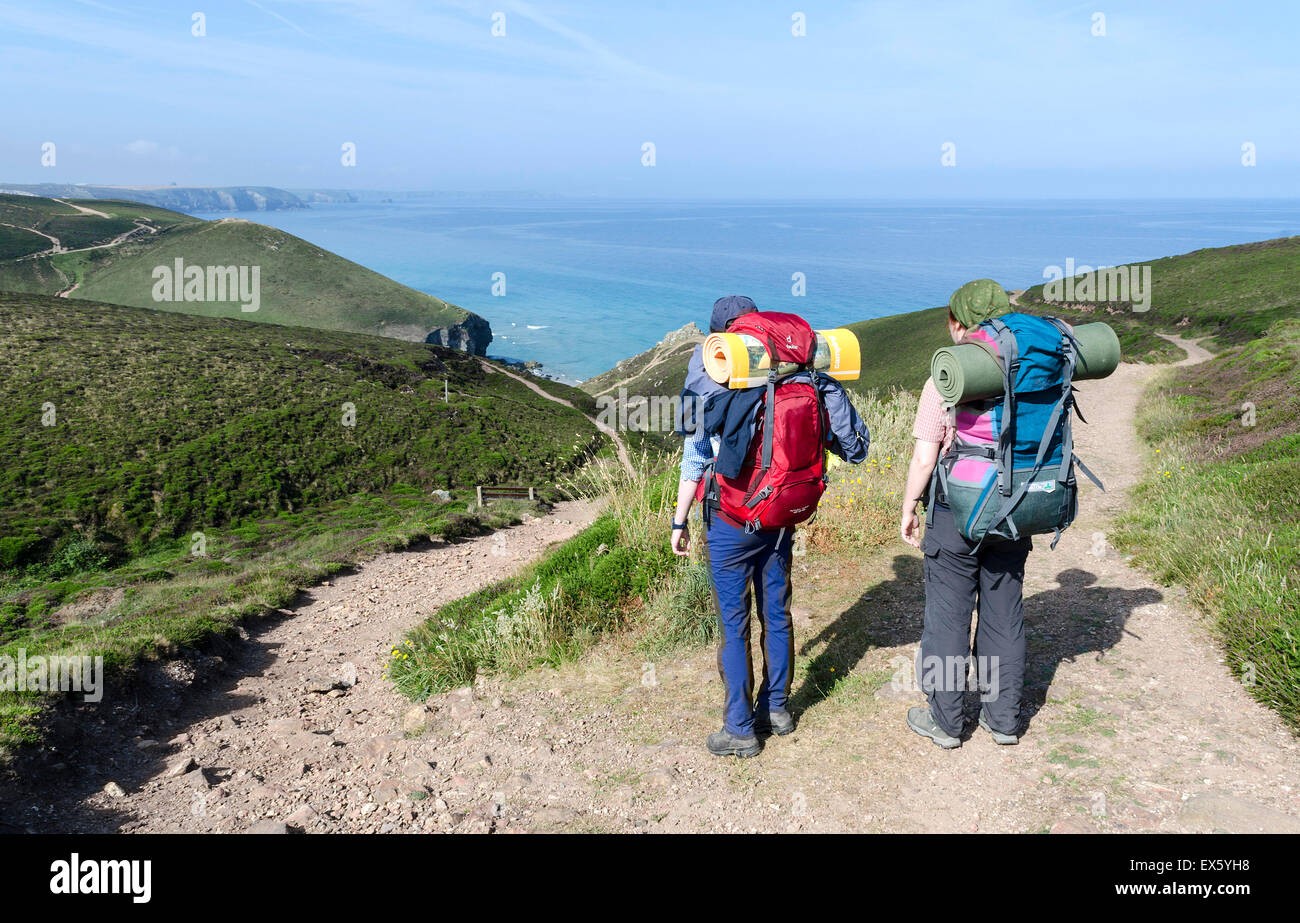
[(1061, 624)]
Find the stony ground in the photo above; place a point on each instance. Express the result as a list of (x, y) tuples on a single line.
[(1135, 724)]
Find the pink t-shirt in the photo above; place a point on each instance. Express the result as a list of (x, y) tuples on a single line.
[(934, 422), (975, 423)]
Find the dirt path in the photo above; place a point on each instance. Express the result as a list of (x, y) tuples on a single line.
[(1134, 723), (605, 428), (273, 726), (83, 209), (141, 224)]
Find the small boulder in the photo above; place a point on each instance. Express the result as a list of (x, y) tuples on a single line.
[(415, 719), (181, 767)]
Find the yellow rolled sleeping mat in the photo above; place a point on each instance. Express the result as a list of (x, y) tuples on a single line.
[(740, 361)]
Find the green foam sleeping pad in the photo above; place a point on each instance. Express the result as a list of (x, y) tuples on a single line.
[(966, 372)]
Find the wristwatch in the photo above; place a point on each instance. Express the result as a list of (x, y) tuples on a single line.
[(678, 525)]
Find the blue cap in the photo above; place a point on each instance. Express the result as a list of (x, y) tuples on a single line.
[(728, 308)]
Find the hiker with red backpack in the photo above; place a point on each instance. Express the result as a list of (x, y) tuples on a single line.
[(755, 459), (992, 473)]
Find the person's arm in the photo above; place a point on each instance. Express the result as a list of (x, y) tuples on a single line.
[(697, 451), (681, 538), (849, 437), (924, 456), (929, 431)]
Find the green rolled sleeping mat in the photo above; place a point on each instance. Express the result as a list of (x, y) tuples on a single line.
[(967, 372)]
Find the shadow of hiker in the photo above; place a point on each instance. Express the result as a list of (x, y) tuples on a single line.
[(887, 614), (1076, 618), (1060, 624)]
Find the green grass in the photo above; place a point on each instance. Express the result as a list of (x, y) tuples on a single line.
[(553, 609), (1218, 511), (16, 242)]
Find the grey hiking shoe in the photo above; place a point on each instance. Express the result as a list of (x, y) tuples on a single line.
[(778, 721), (920, 720), (1006, 740), (724, 743)]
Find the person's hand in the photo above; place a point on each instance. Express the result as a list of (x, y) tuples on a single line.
[(909, 525), (681, 541)]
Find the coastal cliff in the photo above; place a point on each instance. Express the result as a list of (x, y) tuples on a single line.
[(472, 335)]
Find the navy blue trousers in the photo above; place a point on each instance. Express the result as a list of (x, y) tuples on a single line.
[(751, 567)]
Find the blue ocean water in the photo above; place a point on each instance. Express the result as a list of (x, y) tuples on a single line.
[(588, 283)]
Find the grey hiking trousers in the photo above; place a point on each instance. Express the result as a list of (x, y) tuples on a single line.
[(956, 581)]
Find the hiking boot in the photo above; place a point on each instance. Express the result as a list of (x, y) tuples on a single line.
[(724, 743), (920, 720), (1006, 740), (777, 721)]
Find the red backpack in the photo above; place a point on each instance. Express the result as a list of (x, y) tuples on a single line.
[(783, 476)]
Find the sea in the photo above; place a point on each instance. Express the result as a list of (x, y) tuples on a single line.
[(578, 284)]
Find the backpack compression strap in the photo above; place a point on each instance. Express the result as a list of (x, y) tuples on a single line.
[(1068, 458), (1067, 437), (1010, 354)]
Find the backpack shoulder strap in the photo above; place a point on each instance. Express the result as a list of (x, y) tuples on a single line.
[(769, 418)]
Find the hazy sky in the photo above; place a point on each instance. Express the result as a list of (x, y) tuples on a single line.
[(735, 104)]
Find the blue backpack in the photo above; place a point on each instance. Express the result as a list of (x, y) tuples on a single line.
[(1020, 480)]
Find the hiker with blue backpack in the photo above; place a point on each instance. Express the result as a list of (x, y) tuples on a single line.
[(992, 473), (755, 458)]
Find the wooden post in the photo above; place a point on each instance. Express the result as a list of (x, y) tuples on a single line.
[(530, 494), (479, 491), (444, 390)]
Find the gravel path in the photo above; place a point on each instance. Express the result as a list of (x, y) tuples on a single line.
[(1134, 722)]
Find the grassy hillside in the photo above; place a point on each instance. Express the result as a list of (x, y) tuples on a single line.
[(129, 435), (1233, 294), (165, 422), (1218, 512), (299, 284)]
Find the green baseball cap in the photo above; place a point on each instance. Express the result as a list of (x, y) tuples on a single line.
[(975, 302)]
